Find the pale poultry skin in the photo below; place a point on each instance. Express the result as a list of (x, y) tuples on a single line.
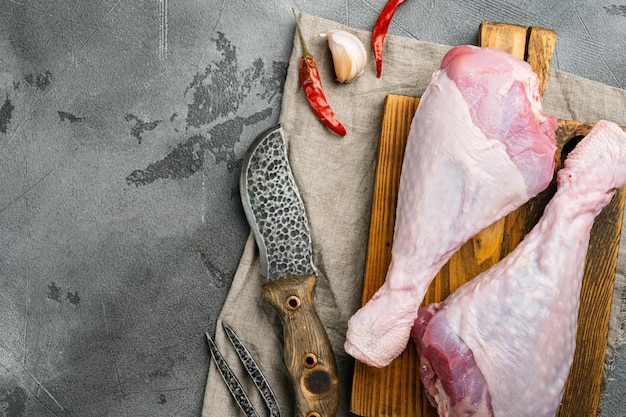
[(479, 147)]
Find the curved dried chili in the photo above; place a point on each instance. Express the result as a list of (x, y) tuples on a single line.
[(380, 31), (312, 86)]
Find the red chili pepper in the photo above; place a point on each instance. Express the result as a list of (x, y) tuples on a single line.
[(380, 31), (312, 86)]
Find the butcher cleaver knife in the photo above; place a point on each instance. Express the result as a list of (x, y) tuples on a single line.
[(277, 216)]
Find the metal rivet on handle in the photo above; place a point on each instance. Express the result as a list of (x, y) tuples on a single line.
[(309, 360), (293, 302)]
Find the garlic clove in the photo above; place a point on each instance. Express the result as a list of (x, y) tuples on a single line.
[(349, 54)]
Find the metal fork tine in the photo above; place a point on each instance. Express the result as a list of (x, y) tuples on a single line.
[(233, 384), (254, 371)]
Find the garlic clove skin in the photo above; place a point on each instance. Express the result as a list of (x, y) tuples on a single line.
[(349, 54)]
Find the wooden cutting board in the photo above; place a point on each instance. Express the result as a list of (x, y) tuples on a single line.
[(395, 390)]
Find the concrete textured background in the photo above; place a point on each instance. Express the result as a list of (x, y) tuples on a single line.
[(122, 128)]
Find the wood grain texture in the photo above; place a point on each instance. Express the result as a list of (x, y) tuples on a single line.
[(308, 354), (395, 390), (503, 36), (540, 47)]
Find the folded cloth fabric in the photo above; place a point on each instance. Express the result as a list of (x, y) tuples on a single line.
[(335, 178)]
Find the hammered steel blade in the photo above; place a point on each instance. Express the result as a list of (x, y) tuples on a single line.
[(233, 384), (277, 217), (274, 208), (254, 371)]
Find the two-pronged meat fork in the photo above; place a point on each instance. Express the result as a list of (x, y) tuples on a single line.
[(233, 384)]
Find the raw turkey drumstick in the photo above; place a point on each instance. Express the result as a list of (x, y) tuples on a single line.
[(479, 147), (502, 344)]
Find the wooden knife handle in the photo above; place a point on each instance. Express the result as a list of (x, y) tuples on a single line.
[(308, 354)]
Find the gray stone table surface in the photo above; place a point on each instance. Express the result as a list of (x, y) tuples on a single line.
[(122, 128)]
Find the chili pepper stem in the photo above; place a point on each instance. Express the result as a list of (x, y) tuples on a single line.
[(306, 50)]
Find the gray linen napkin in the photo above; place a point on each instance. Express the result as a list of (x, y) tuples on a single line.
[(335, 177)]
